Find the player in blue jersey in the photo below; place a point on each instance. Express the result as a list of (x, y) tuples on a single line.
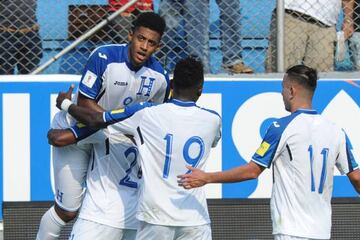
[(115, 76), (303, 148), (169, 136)]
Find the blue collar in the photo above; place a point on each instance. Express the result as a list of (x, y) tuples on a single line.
[(307, 111), (182, 103)]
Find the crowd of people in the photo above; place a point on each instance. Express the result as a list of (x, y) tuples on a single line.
[(309, 33)]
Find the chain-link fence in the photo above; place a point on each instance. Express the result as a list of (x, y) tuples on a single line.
[(229, 36)]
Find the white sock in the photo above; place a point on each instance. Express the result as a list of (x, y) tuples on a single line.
[(50, 226)]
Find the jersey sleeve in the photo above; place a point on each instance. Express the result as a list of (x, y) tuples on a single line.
[(345, 161), (81, 131), (128, 125), (125, 120), (91, 80), (265, 154), (218, 135), (124, 113), (97, 137)]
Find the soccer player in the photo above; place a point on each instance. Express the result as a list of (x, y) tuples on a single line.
[(169, 136), (303, 147), (115, 76)]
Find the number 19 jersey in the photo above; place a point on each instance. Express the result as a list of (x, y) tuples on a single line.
[(304, 148), (170, 136)]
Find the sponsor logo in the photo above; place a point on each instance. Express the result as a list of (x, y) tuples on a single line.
[(276, 124), (117, 83), (103, 56)]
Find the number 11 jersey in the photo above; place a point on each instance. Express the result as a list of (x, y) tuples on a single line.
[(304, 147)]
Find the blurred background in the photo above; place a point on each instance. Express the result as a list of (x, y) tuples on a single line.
[(229, 36)]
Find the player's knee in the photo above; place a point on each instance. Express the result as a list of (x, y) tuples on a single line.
[(66, 216)]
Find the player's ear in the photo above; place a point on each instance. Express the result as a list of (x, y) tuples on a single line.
[(199, 91), (292, 91), (172, 84), (158, 47), (130, 35)]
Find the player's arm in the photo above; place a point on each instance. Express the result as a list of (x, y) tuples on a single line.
[(61, 137), (198, 178), (261, 159), (354, 177), (87, 116), (89, 103), (346, 163)]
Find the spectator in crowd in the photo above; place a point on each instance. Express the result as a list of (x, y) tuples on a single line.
[(310, 33), (355, 38), (121, 25), (194, 15), (230, 36), (196, 31), (20, 43)]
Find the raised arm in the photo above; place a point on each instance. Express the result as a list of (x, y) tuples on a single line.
[(85, 115), (89, 103)]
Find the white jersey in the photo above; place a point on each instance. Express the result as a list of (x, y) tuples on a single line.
[(113, 82), (110, 79), (304, 147), (170, 136), (112, 182)]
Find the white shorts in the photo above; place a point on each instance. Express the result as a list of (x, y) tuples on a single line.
[(288, 237), (70, 167), (147, 231), (85, 230)]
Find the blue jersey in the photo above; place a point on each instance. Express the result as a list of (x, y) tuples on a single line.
[(303, 149), (110, 78)]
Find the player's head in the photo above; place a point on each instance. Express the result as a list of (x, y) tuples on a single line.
[(298, 86), (188, 79), (144, 37)]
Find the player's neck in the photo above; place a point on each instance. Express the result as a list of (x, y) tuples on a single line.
[(184, 98), (185, 95), (301, 105)]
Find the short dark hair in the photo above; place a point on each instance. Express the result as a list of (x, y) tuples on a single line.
[(150, 20), (304, 75), (188, 73)]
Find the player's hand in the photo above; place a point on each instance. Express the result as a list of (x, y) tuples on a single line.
[(64, 95), (196, 178)]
